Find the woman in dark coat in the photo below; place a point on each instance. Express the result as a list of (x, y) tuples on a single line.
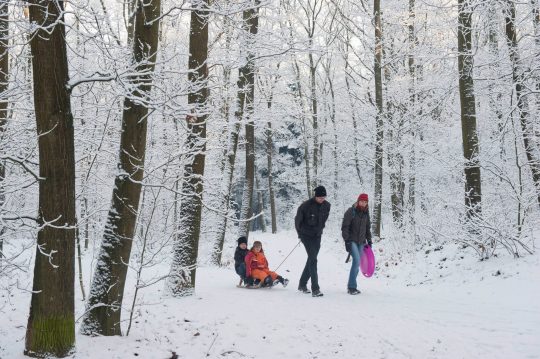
[(356, 231)]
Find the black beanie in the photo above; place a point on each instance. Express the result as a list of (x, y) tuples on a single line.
[(320, 191), (242, 240)]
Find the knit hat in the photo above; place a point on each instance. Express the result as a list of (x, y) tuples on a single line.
[(363, 197), (242, 240), (320, 191)]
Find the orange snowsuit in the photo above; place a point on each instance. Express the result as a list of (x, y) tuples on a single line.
[(257, 266)]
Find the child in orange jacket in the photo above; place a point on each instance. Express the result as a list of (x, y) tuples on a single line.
[(257, 267)]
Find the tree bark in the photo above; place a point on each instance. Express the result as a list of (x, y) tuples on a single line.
[(531, 150), (412, 112), (229, 155), (348, 75), (104, 307), (183, 272), (473, 188), (269, 153), (379, 122), (251, 24), (4, 100), (51, 324)]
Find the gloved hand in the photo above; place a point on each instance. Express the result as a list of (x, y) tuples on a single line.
[(348, 246), (369, 242)]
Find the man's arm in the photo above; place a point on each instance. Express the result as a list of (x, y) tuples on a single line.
[(299, 218)]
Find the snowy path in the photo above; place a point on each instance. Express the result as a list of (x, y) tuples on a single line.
[(492, 318)]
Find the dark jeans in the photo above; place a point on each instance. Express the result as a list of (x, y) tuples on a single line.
[(312, 246), (241, 270)]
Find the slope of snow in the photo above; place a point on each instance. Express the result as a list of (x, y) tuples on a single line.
[(435, 305)]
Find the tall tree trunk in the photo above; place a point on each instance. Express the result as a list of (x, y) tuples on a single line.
[(4, 100), (104, 307), (181, 281), (51, 324), (495, 96), (531, 148), (536, 26), (473, 188), (251, 24), (314, 115), (395, 158), (412, 112), (379, 121), (300, 103), (260, 202), (269, 152), (332, 112), (229, 154), (348, 76)]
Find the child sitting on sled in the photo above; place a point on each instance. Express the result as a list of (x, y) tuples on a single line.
[(239, 261), (257, 267)]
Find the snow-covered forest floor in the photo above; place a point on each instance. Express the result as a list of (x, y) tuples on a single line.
[(443, 304)]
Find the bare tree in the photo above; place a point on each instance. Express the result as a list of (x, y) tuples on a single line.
[(250, 27), (51, 324), (518, 73), (379, 121), (181, 281), (104, 305), (4, 100), (229, 155), (473, 185)]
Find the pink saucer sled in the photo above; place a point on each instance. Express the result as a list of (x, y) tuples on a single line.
[(367, 262)]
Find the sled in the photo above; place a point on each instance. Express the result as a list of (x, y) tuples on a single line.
[(367, 262)]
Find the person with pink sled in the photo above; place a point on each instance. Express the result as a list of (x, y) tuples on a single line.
[(356, 231)]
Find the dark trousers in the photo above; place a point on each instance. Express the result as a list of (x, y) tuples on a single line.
[(312, 246), (241, 270)]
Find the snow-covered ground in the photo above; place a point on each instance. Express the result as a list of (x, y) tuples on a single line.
[(435, 305)]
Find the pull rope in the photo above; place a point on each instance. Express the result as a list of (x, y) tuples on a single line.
[(283, 261)]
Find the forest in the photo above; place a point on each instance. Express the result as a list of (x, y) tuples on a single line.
[(141, 138)]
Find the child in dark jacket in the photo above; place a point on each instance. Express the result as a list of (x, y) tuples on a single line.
[(239, 258)]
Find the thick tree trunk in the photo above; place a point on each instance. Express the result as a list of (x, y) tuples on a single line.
[(531, 148), (51, 324), (473, 188), (251, 24), (183, 272), (379, 122), (4, 100), (104, 307)]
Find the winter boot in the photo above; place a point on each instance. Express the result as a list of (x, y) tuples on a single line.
[(281, 280), (316, 293), (303, 289), (267, 281), (353, 291)]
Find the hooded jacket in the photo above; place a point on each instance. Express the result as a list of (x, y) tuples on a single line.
[(356, 226)]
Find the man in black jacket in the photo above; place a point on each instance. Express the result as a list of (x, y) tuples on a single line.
[(309, 222)]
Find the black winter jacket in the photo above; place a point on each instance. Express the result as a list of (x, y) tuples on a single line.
[(356, 226), (239, 256), (311, 218)]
